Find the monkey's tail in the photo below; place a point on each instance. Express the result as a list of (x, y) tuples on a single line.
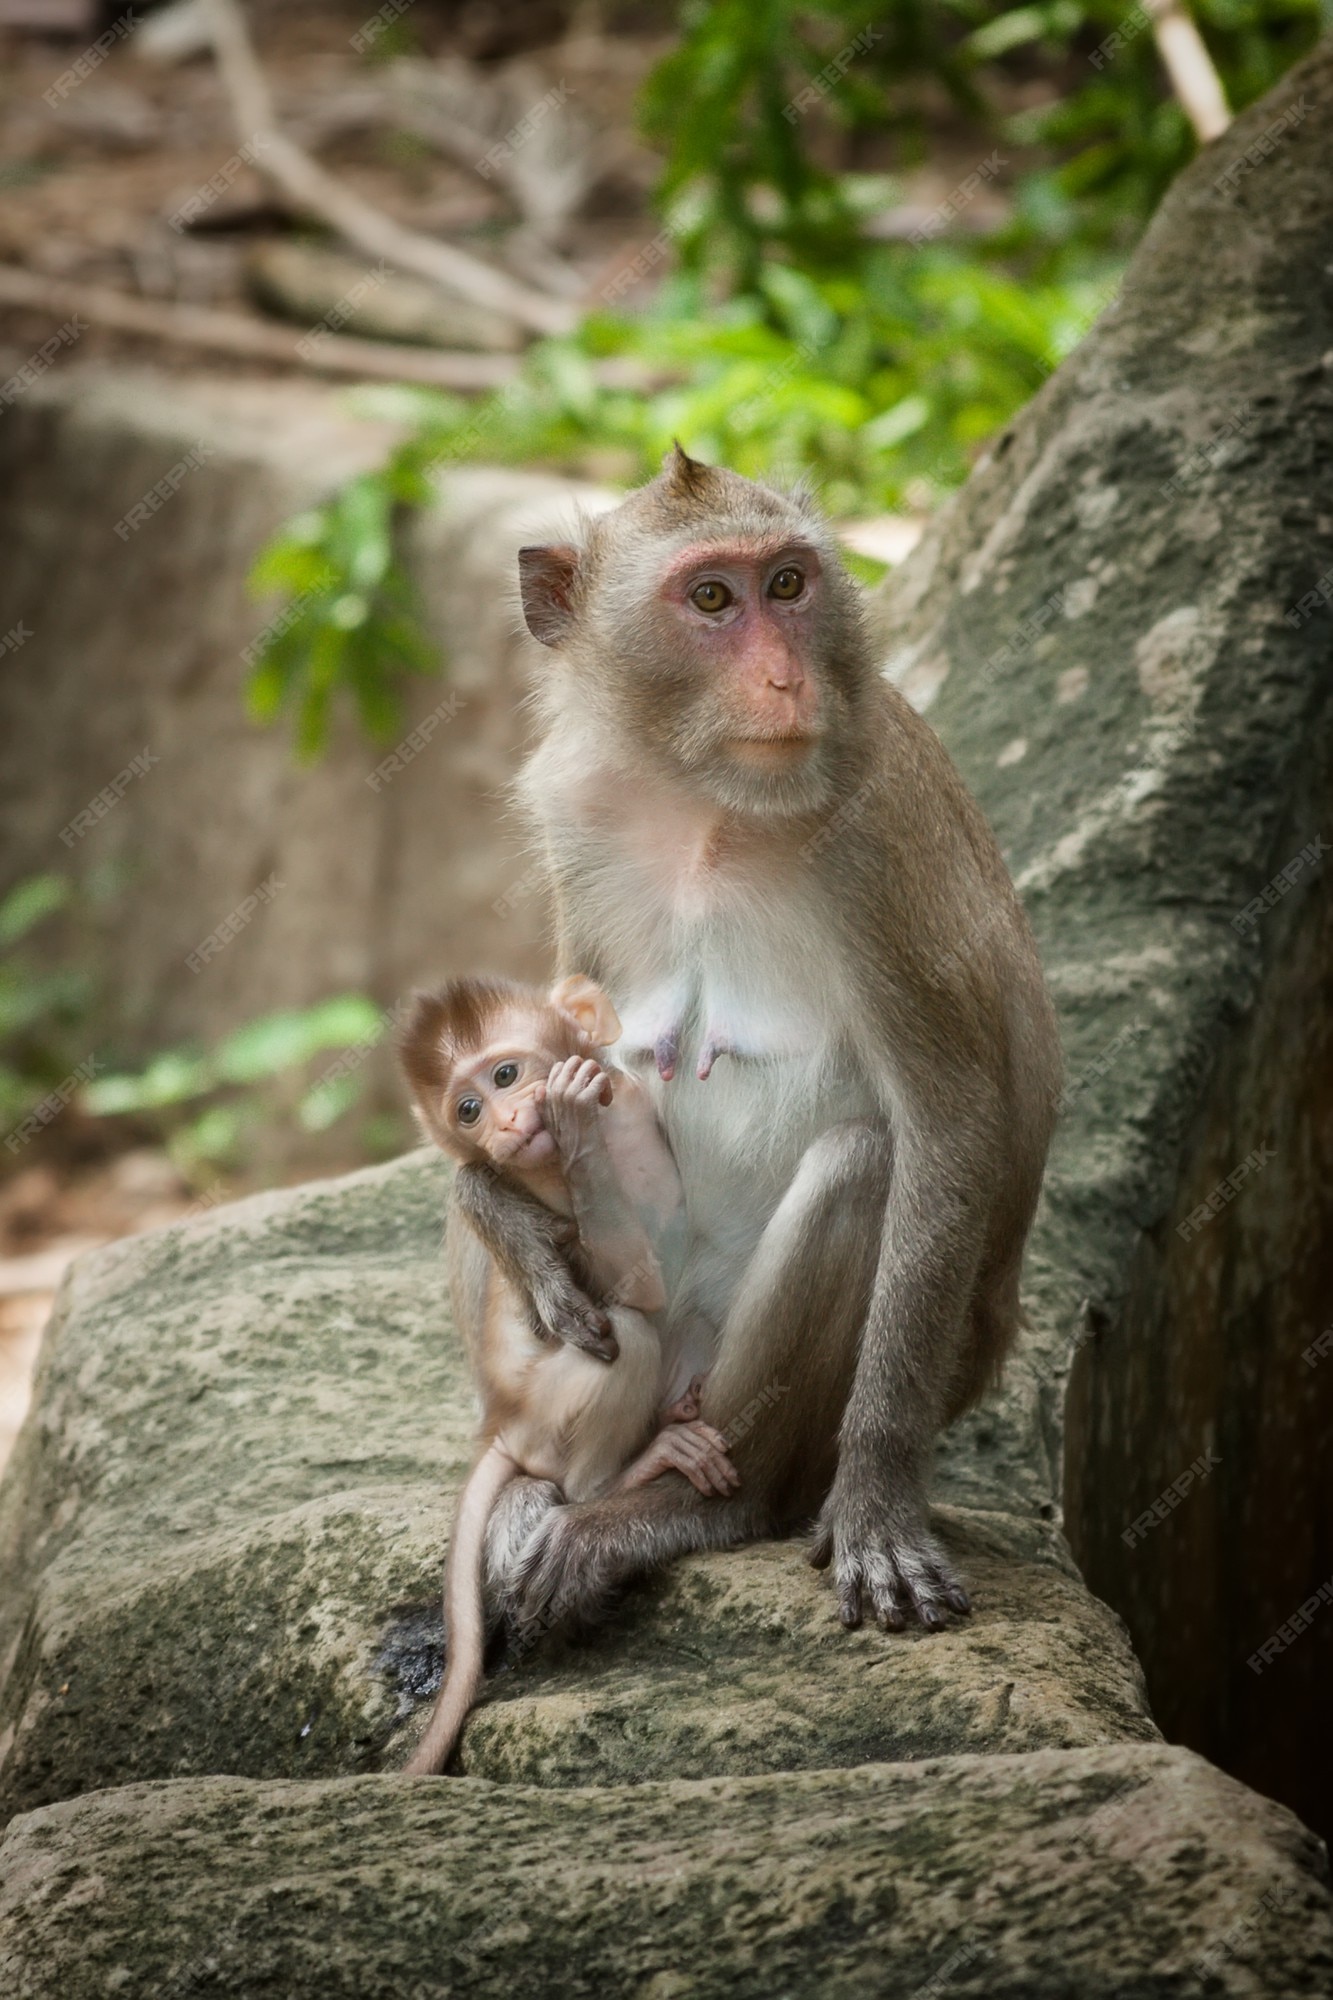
[(464, 1617)]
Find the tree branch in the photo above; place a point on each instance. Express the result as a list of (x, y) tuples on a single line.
[(1190, 67), (237, 334), (305, 185)]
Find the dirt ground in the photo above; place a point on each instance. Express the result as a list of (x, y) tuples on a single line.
[(91, 175)]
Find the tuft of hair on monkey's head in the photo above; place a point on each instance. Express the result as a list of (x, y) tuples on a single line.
[(442, 1028), (688, 489)]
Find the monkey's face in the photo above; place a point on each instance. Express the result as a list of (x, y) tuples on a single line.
[(710, 623), (746, 712), (492, 1104)]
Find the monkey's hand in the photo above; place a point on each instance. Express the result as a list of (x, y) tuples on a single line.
[(883, 1557), (695, 1449), (575, 1091), (530, 1243)]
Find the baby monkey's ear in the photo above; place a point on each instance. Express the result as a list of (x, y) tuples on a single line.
[(588, 1008)]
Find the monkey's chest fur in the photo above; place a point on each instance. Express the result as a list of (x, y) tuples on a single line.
[(733, 1000)]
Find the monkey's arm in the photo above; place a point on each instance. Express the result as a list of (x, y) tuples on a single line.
[(872, 1528), (616, 1246), (529, 1243)]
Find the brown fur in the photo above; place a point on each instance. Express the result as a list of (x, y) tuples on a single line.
[(550, 1410)]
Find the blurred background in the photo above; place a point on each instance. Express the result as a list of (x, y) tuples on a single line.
[(278, 280)]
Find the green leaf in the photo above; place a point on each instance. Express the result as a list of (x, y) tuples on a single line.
[(211, 1139), (326, 1103), (897, 423), (26, 905), (171, 1078), (284, 1040)]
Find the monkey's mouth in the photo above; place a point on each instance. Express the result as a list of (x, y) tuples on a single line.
[(533, 1151)]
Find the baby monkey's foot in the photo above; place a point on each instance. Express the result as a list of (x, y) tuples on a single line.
[(695, 1449), (687, 1405)]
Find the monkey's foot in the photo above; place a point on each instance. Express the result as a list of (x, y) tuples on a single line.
[(686, 1407), (893, 1575), (695, 1449), (561, 1578)]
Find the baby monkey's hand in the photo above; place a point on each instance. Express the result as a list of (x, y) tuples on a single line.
[(574, 1091)]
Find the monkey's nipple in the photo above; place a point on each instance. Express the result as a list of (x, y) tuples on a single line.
[(716, 1044)]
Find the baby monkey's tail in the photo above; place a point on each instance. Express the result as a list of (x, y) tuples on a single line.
[(464, 1613)]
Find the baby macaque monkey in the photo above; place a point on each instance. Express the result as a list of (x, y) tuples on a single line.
[(513, 1082)]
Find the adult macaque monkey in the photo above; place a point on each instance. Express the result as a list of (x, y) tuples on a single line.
[(511, 1084), (827, 981)]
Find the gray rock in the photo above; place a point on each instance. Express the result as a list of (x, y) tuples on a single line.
[(1133, 1872), (137, 644), (226, 1520)]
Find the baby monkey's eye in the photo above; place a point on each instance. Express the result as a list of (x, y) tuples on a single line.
[(504, 1074), (711, 596), (469, 1110), (788, 583)]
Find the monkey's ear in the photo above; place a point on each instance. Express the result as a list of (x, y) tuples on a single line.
[(546, 579), (589, 1008)]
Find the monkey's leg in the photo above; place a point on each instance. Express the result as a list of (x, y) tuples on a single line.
[(784, 1370), (528, 1242), (517, 1514)]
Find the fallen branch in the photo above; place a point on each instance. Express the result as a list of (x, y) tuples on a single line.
[(305, 185), (1190, 68), (236, 334)]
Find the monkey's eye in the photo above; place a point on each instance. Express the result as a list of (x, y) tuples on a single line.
[(711, 596), (504, 1074), (469, 1110), (788, 583)]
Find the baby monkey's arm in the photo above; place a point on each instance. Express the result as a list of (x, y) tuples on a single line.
[(616, 1247), (532, 1245)]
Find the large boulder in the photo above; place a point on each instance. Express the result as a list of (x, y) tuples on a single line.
[(220, 1536), (138, 644), (1122, 631), (1121, 1874), (224, 1526)]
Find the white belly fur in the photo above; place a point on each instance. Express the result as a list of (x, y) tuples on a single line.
[(581, 1420), (738, 1136)]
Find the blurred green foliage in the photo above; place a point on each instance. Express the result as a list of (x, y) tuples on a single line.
[(39, 1010), (348, 619), (206, 1106), (208, 1103), (790, 337)]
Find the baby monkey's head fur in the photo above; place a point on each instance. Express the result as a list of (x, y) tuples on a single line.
[(477, 1052)]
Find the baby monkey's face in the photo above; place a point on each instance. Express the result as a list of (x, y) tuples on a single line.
[(495, 1101)]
